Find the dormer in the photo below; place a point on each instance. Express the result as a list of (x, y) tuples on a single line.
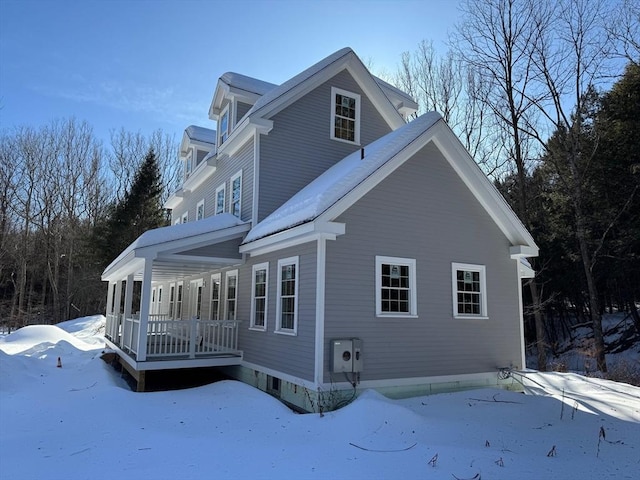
[(197, 156), (234, 96), (197, 143)]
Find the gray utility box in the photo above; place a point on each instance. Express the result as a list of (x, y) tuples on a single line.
[(346, 355)]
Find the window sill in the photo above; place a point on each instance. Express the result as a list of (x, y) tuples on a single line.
[(354, 143), (394, 315), (470, 317), (258, 329), (290, 333)]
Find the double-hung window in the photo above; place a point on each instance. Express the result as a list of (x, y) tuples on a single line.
[(231, 280), (220, 199), (287, 305), (469, 290), (178, 315), (223, 127), (200, 210), (185, 217), (236, 194), (259, 289), (172, 300), (345, 115), (214, 310), (396, 294)]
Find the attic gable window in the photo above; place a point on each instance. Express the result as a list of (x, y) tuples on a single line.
[(345, 116)]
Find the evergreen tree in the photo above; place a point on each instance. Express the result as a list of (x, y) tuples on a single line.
[(139, 210)]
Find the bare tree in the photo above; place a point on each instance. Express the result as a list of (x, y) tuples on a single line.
[(496, 40), (447, 85)]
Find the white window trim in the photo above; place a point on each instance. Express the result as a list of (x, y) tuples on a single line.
[(215, 277), (200, 204), (339, 91), (226, 110), (483, 289), (235, 177), (287, 331), (222, 189), (259, 266), (230, 273), (413, 294)]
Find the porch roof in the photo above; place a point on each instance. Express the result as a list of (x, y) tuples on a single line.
[(183, 249)]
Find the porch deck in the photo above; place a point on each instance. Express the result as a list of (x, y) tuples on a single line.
[(169, 344)]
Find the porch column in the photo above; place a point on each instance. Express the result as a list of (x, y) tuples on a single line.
[(118, 302), (110, 286), (128, 296), (145, 302)]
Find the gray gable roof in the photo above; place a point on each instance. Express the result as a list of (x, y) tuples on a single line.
[(201, 134), (337, 181)]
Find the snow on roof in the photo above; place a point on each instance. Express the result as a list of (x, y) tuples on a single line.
[(337, 181), (160, 235), (246, 83), (387, 88), (277, 92), (201, 134)]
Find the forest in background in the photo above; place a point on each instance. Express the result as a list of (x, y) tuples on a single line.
[(545, 96)]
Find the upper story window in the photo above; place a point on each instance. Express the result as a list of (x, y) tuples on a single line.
[(200, 210), (396, 294), (236, 194), (223, 126), (185, 217), (220, 199), (345, 115), (469, 290)]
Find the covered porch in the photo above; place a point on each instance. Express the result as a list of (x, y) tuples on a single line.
[(145, 338)]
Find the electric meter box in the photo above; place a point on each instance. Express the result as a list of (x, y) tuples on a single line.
[(346, 355)]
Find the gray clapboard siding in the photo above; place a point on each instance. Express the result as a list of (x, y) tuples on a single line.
[(299, 148), (241, 109), (293, 355), (422, 211)]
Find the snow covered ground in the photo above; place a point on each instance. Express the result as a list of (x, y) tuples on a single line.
[(82, 422)]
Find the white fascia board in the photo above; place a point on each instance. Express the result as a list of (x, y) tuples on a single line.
[(480, 186), (243, 133), (519, 251), (307, 232), (177, 258), (221, 90), (174, 200), (243, 95), (375, 93), (130, 264), (200, 174), (196, 241), (358, 71)]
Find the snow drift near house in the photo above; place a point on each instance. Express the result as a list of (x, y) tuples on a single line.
[(81, 421)]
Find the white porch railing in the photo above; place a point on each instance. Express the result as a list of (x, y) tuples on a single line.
[(175, 338)]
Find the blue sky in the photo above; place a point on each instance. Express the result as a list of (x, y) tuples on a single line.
[(149, 64)]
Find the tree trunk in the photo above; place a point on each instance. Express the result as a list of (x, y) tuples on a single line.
[(540, 333)]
